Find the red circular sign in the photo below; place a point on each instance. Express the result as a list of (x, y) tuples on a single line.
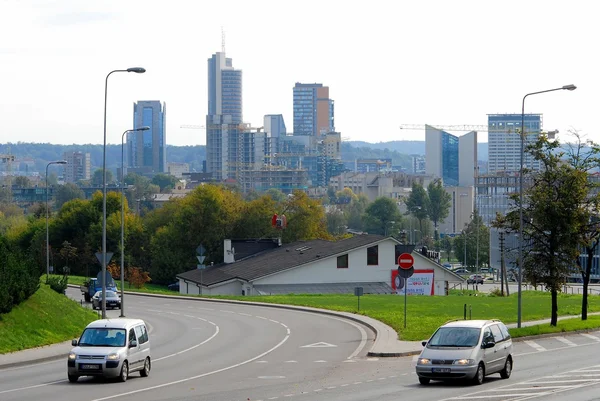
[(405, 261)]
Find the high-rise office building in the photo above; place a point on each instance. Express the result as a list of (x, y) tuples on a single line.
[(504, 141), (451, 158), (78, 166), (313, 110), (224, 130), (146, 150)]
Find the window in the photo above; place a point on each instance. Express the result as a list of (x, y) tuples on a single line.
[(141, 333), (373, 255), (497, 333), (504, 331), (342, 261), (131, 336)]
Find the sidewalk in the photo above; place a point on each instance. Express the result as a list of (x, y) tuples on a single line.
[(386, 342)]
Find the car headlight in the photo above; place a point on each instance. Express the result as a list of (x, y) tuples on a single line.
[(72, 356), (463, 362), (424, 361), (112, 357)]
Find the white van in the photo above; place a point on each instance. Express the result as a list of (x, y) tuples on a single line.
[(111, 348)]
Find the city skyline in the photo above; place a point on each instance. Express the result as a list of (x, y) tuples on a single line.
[(427, 63)]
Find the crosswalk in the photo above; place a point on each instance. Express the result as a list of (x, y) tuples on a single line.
[(546, 344)]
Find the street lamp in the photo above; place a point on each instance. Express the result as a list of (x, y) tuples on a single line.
[(138, 70), (123, 215), (47, 231), (521, 240)]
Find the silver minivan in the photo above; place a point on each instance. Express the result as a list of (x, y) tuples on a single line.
[(111, 348), (467, 349)]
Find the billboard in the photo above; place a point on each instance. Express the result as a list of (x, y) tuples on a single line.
[(420, 283)]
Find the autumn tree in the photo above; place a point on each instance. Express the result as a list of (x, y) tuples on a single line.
[(137, 277)]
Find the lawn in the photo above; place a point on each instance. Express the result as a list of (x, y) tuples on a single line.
[(148, 288), (45, 318)]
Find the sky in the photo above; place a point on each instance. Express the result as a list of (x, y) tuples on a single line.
[(387, 63)]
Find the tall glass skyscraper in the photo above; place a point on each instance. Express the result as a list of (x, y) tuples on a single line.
[(313, 110), (504, 141), (146, 150), (450, 157)]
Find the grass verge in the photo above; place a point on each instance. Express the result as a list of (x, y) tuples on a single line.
[(45, 318)]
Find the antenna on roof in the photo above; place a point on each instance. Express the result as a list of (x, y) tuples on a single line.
[(222, 40)]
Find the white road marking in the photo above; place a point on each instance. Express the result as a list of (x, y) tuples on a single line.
[(190, 348), (244, 314), (271, 377), (320, 361), (197, 376), (372, 359), (593, 337), (289, 395), (318, 345), (291, 361), (349, 360), (227, 311), (262, 362), (30, 387), (565, 341), (262, 317), (344, 385), (535, 345), (357, 383)]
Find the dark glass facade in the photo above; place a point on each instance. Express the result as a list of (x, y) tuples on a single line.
[(449, 159)]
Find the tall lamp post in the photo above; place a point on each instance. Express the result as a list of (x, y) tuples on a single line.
[(47, 231), (123, 215), (138, 70), (521, 239)]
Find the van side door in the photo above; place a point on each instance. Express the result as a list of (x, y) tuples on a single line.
[(143, 344), (133, 352), (500, 348), (489, 354)]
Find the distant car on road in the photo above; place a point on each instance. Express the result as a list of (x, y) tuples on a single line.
[(174, 286), (475, 279), (112, 300), (447, 265), (462, 271), (467, 349)]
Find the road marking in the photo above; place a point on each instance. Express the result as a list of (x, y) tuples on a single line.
[(331, 388), (565, 341), (271, 377), (244, 314), (349, 360), (317, 390), (372, 359), (344, 385), (291, 361), (535, 345), (319, 345), (227, 311), (591, 336), (197, 376), (357, 383), (191, 348), (262, 362), (261, 317), (320, 361), (30, 387), (289, 395)]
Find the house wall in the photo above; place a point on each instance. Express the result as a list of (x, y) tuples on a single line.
[(230, 288)]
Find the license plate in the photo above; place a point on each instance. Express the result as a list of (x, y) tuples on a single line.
[(440, 370), (91, 367)]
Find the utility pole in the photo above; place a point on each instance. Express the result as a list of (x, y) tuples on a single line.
[(502, 269)]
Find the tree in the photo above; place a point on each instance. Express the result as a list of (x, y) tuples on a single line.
[(275, 194), (97, 177), (67, 192), (22, 181), (67, 252), (137, 277), (305, 218), (553, 217), (165, 182), (336, 221), (439, 204), (447, 244), (382, 215), (354, 212), (417, 203)]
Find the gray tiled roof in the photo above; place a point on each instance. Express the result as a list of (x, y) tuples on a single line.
[(283, 258)]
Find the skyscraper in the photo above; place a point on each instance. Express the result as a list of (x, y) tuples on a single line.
[(313, 110), (78, 166), (504, 141), (449, 157), (146, 150), (224, 117)]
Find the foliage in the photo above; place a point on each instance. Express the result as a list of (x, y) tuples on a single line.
[(19, 278), (381, 216), (67, 252), (439, 203), (476, 251), (67, 192), (417, 203), (114, 270), (355, 211), (58, 283), (22, 181), (447, 245), (137, 277), (97, 177), (165, 182)]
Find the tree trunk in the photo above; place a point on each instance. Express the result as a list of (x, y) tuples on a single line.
[(554, 318)]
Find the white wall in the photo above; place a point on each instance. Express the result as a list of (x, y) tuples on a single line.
[(230, 288)]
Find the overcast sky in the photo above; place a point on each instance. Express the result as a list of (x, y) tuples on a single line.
[(386, 63)]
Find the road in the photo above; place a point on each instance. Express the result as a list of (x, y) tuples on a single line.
[(218, 352)]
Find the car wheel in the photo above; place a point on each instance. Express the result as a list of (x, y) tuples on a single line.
[(423, 380), (124, 372), (146, 371), (505, 373), (73, 378), (479, 375)]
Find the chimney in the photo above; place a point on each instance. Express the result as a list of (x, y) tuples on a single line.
[(228, 256)]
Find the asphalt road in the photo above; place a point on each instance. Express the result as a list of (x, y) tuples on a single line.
[(210, 351)]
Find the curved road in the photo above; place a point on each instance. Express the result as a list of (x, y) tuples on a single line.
[(213, 351)]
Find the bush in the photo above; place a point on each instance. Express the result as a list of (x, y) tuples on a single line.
[(495, 292), (19, 278), (58, 284)]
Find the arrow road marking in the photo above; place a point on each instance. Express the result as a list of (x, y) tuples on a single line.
[(319, 345)]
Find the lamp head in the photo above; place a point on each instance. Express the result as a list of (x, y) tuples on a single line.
[(570, 87), (61, 162), (138, 70), (144, 128)]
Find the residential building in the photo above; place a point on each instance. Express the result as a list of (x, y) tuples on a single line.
[(313, 110), (78, 167), (178, 169), (147, 150), (395, 185), (504, 141), (449, 157)]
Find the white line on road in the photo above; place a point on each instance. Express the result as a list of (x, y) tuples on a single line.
[(190, 348), (320, 361), (535, 345), (291, 361), (593, 337), (30, 387), (565, 341), (244, 314), (197, 376)]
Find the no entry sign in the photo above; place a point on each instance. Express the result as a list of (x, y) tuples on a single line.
[(405, 261)]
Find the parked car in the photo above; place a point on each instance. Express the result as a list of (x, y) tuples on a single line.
[(113, 300), (468, 349), (475, 279), (174, 286), (110, 348)]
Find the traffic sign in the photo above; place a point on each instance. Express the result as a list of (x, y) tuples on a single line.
[(200, 250), (201, 259), (406, 273), (405, 261), (109, 256)]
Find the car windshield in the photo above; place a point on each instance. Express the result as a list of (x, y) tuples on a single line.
[(102, 337), (455, 337), (109, 294)]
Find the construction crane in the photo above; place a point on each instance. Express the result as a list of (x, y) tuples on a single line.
[(472, 127)]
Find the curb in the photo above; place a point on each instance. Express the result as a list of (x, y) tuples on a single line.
[(33, 361)]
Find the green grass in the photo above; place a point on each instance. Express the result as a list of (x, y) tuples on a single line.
[(45, 318), (425, 314), (148, 288)]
